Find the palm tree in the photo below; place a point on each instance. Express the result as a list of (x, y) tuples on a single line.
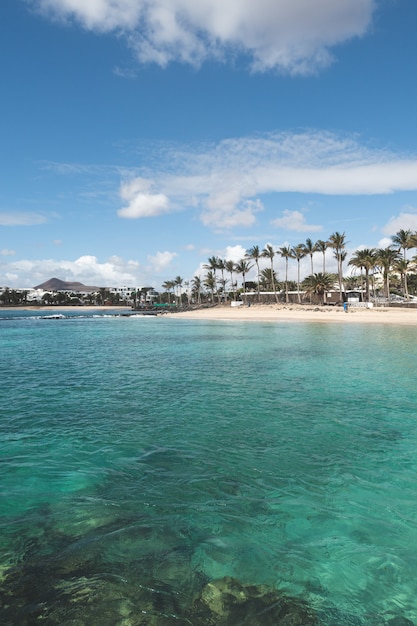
[(168, 285), (210, 283), (213, 265), (196, 285), (319, 284), (286, 254), (243, 267), (229, 266), (338, 243), (269, 253), (255, 254), (178, 284), (386, 258), (321, 246), (403, 239), (298, 253), (267, 278), (402, 266), (364, 259), (221, 265), (310, 248)]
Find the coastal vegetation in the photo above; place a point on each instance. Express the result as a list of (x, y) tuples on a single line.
[(376, 274)]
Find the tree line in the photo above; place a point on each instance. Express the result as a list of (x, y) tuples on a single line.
[(220, 280)]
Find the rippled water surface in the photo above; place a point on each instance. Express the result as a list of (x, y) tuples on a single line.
[(143, 458)]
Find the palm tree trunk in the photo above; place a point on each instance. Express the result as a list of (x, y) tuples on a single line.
[(257, 268), (273, 281), (366, 284), (286, 281), (298, 282)]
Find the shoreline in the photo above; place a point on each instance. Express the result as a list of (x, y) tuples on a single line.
[(263, 313), (65, 308), (303, 313)]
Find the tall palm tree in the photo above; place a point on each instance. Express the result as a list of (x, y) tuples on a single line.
[(319, 284), (255, 254), (403, 239), (337, 241), (310, 248), (229, 266), (269, 253), (321, 246), (298, 253), (221, 265), (402, 266), (386, 258), (213, 265), (196, 285), (243, 267), (178, 281), (168, 285), (364, 259), (286, 254), (210, 283)]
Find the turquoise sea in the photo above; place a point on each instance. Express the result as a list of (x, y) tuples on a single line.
[(161, 471)]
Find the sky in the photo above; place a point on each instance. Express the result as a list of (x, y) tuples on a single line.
[(141, 137)]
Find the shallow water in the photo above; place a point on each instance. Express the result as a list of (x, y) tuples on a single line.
[(142, 458)]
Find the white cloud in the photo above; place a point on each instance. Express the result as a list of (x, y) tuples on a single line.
[(294, 36), (86, 269), (385, 242), (141, 202), (7, 252), (161, 260), (18, 218), (224, 182), (403, 221), (295, 220), (235, 253)]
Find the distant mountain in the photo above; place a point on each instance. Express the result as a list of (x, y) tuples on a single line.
[(55, 284)]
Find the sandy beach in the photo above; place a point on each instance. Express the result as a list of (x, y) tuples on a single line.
[(305, 313), (267, 313)]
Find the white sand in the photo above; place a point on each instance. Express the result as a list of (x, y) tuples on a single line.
[(270, 313), (305, 313)]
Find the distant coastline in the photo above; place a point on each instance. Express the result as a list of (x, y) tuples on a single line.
[(66, 307)]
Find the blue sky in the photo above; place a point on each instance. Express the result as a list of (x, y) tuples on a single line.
[(140, 137)]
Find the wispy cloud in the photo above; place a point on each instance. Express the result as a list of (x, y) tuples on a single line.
[(227, 183), (294, 36), (19, 218)]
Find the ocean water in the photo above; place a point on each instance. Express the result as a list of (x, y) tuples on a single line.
[(143, 458)]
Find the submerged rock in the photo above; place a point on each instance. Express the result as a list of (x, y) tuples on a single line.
[(227, 602)]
